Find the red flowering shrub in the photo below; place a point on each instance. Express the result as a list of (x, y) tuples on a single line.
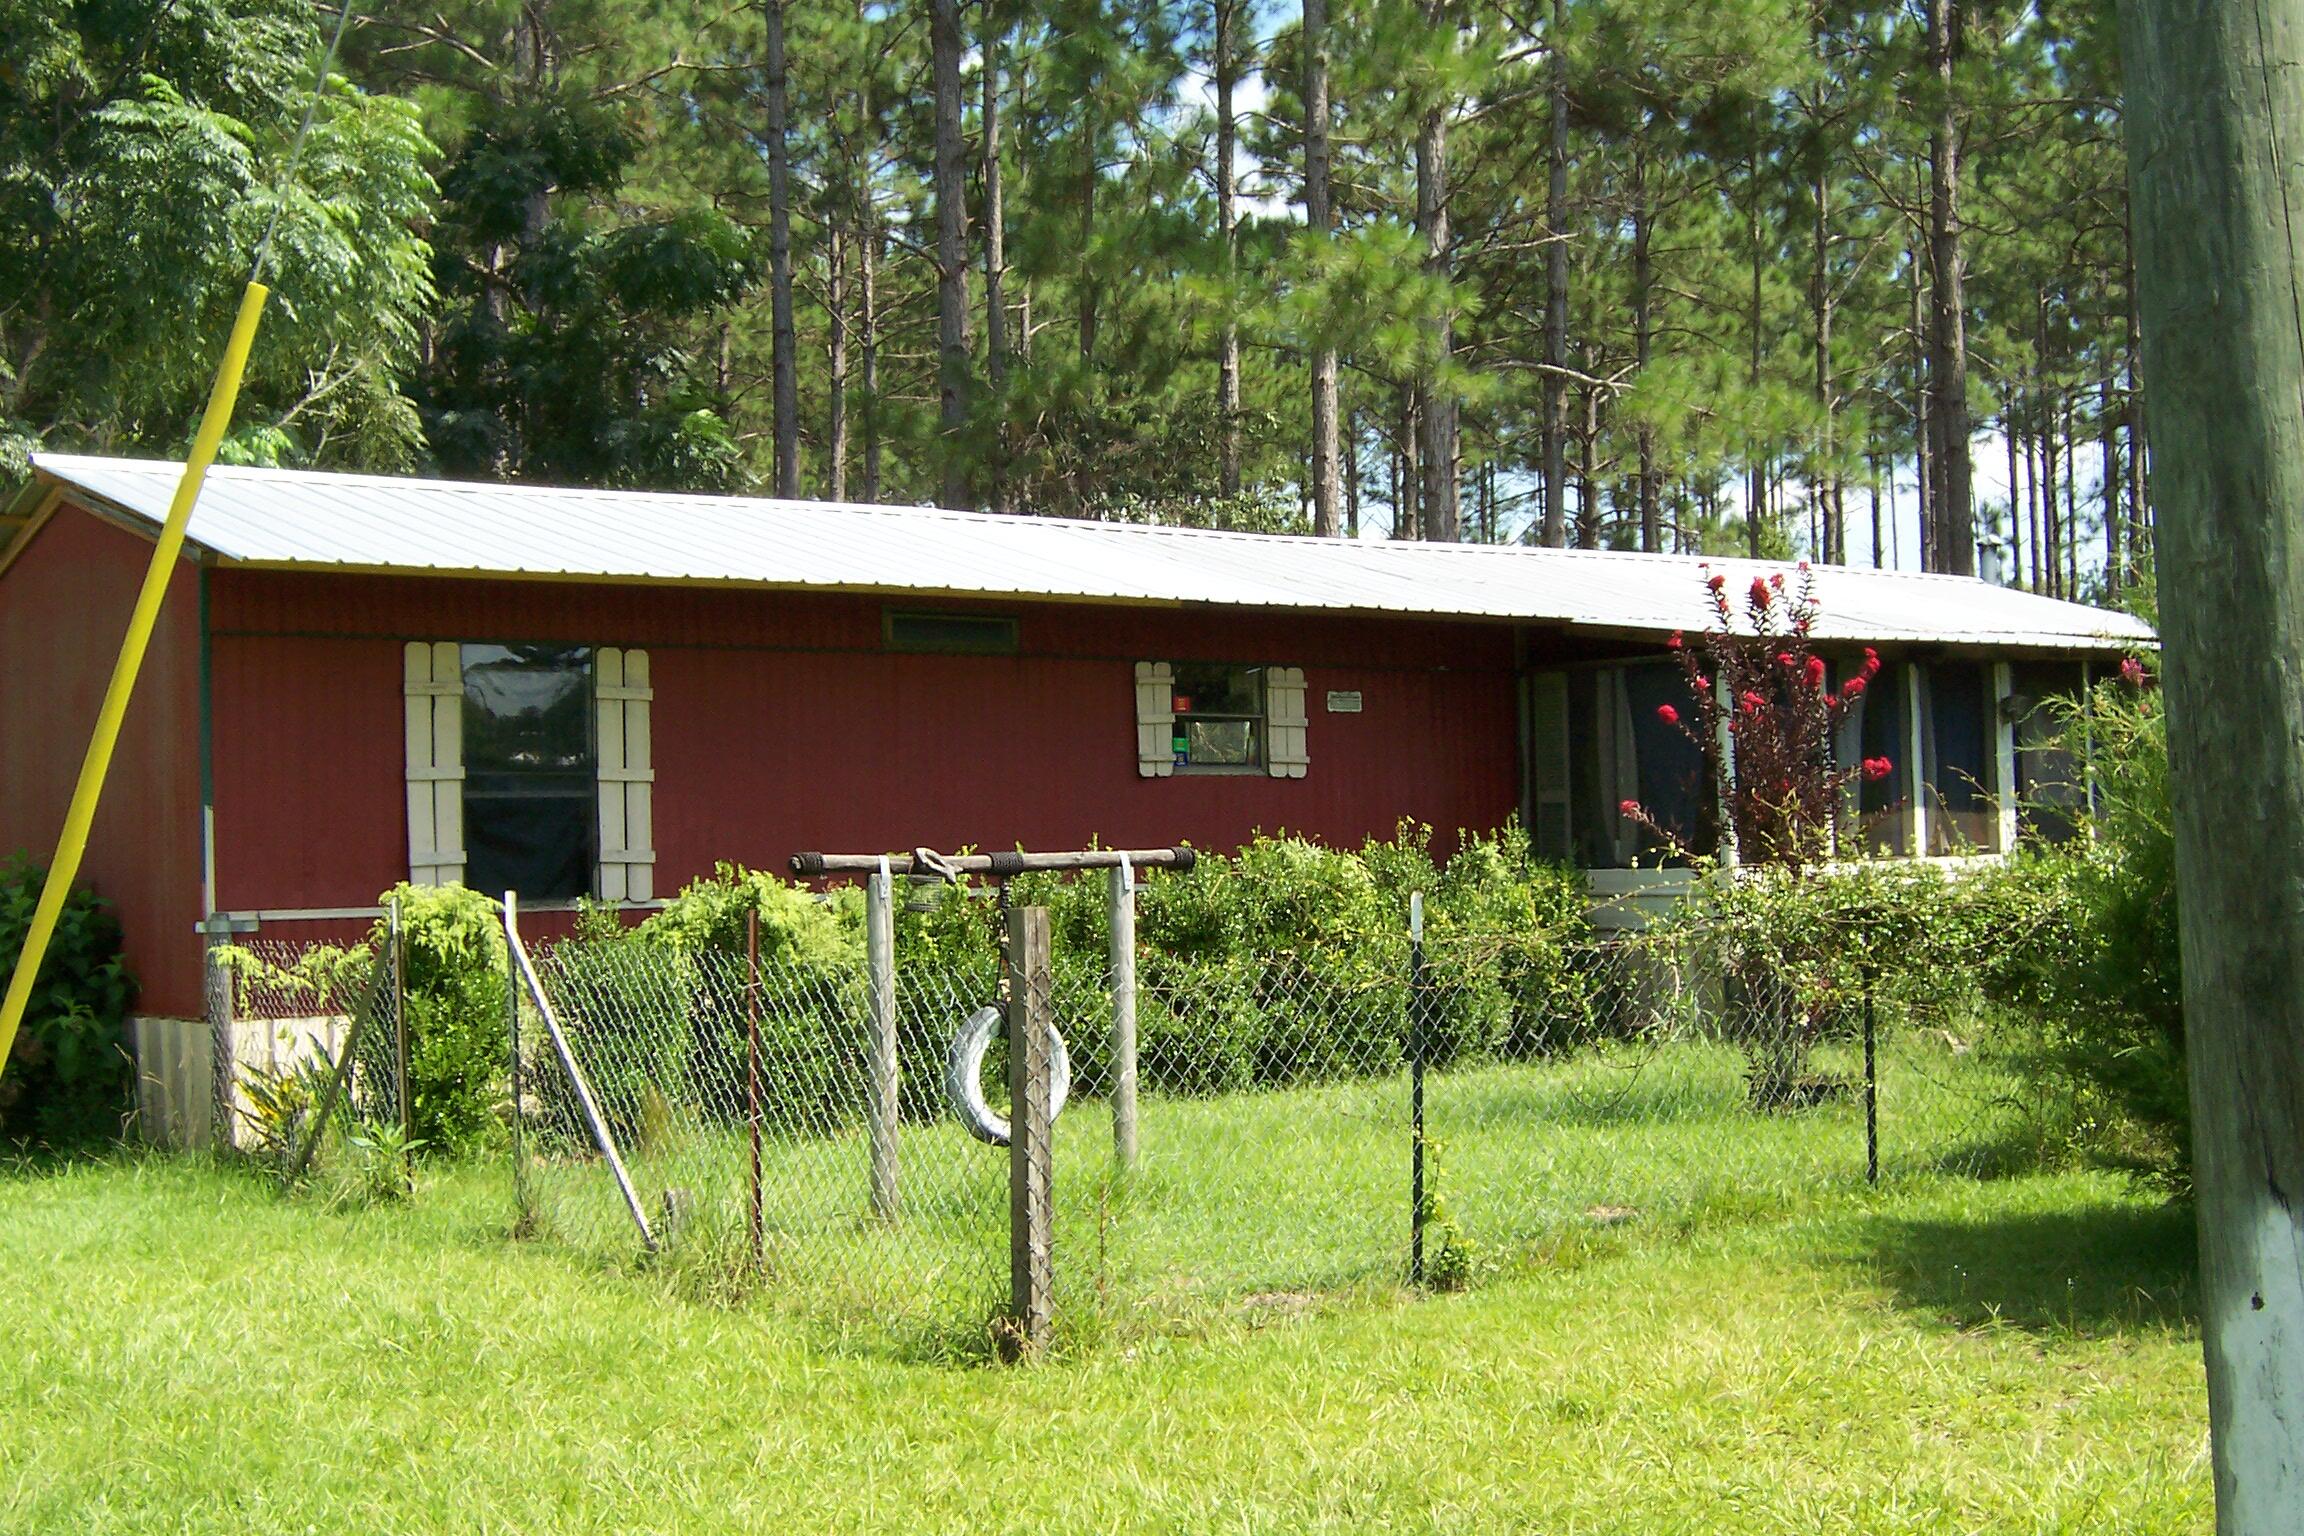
[(1782, 788)]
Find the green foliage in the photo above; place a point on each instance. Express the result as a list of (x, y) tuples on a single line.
[(453, 990), (142, 147), (2104, 975), (66, 1082)]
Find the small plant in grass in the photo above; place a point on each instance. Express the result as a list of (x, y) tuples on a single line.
[(1449, 1255)]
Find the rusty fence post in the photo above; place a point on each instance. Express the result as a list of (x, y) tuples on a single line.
[(752, 1074)]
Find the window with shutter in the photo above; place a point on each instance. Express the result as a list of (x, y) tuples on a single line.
[(1155, 719), (627, 775), (433, 684)]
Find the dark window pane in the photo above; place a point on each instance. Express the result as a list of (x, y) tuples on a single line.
[(530, 770), (2051, 791), (965, 634), (1202, 689)]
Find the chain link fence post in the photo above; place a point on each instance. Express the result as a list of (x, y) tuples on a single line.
[(1121, 897), (880, 966), (1871, 1085), (523, 1196), (396, 958), (755, 1224), (1417, 1205)]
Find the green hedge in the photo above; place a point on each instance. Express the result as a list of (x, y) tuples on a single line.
[(66, 1082)]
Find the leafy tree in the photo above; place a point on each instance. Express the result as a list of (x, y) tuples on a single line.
[(143, 146)]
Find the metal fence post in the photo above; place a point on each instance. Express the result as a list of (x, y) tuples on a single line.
[(1031, 1164), (1871, 1089), (1416, 1202), (523, 1198), (395, 956), (1121, 888), (752, 1073), (880, 971)]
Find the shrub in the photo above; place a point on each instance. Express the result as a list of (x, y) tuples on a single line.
[(452, 940), (67, 1079), (2102, 975)]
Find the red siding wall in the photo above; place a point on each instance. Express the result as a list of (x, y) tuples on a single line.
[(781, 723), (64, 606)]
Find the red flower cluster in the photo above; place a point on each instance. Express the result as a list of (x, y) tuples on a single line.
[(1667, 714), (1877, 768), (1628, 808), (1761, 595), (1716, 581), (2133, 674), (1816, 672), (1753, 702), (1675, 642)]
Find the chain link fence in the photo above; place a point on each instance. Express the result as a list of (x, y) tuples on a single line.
[(1298, 1124), (289, 1018)]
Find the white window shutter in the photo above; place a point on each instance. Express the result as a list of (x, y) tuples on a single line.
[(1548, 764), (1155, 719), (1284, 722), (622, 695), (433, 682)]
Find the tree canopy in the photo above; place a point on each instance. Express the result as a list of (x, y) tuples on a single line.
[(1723, 275)]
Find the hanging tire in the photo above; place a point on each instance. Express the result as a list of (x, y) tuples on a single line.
[(964, 1076)]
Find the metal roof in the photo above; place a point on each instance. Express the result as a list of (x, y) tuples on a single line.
[(302, 519)]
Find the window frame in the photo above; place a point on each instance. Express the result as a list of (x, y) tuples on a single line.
[(1261, 764)]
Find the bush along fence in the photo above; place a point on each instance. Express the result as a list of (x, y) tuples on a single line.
[(807, 1108)]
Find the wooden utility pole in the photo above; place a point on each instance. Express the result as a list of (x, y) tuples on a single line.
[(2215, 111)]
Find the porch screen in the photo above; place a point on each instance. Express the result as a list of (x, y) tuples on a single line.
[(1960, 770)]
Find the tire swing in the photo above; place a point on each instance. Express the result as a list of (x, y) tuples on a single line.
[(964, 1076)]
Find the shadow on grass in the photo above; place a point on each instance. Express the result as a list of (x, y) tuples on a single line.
[(2094, 1269)]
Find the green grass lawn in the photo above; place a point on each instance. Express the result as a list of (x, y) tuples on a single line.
[(188, 1352)]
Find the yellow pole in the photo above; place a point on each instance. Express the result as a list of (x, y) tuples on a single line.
[(73, 842)]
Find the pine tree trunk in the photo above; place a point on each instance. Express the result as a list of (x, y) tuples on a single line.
[(1756, 491), (1352, 477), (1820, 304), (836, 361), (1954, 542), (1644, 344), (2108, 445), (1435, 410), (951, 180), (1227, 71), (1326, 488), (1556, 293), (783, 343), (2015, 499), (1923, 433), (995, 266), (868, 315)]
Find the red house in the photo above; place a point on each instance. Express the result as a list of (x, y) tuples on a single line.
[(363, 680)]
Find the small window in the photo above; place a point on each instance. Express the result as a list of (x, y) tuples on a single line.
[(951, 634), (1219, 716), (530, 770)]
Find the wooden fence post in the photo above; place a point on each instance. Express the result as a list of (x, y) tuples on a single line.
[(1031, 1006), (1121, 889), (880, 977)]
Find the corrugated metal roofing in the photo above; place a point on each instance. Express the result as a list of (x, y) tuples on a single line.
[(301, 519)]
